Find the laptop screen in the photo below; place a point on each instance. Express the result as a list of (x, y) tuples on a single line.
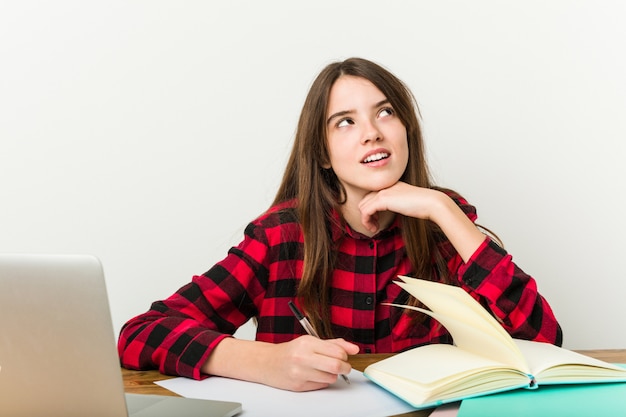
[(58, 353)]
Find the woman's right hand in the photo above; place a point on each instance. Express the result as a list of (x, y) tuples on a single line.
[(303, 364)]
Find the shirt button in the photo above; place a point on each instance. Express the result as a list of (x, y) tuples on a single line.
[(371, 245), (369, 300), (368, 350)]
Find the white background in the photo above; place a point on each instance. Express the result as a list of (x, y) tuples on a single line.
[(149, 133)]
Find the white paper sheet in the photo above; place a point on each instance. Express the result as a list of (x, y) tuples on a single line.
[(360, 398)]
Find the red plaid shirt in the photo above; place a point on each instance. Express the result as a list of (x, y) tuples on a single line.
[(261, 274)]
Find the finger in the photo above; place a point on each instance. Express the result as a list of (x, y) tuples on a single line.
[(369, 207), (349, 348), (308, 364), (330, 368), (305, 385), (370, 221)]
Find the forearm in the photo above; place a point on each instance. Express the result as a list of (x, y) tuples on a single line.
[(239, 359), (302, 364), (458, 228), (489, 273)]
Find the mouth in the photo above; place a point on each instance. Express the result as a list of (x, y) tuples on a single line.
[(379, 156)]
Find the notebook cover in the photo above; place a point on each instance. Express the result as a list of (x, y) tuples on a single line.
[(598, 399)]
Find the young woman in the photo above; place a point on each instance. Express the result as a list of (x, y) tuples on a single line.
[(356, 208)]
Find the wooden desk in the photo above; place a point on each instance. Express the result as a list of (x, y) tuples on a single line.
[(142, 382)]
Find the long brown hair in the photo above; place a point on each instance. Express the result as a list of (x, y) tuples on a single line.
[(319, 193)]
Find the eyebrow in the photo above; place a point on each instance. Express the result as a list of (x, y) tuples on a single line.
[(344, 112)]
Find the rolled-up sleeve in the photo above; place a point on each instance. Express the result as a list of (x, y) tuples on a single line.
[(177, 335), (511, 295)]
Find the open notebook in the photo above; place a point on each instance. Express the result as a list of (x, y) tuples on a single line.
[(484, 359), (57, 346)]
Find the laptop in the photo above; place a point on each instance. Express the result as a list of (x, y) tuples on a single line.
[(58, 353)]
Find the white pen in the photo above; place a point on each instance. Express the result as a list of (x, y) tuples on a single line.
[(307, 326)]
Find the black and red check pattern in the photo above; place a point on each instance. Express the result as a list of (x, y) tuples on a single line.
[(260, 276)]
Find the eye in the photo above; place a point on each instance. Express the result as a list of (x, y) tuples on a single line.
[(345, 122), (385, 112)]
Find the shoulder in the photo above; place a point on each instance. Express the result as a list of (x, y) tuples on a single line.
[(278, 223), (279, 214), (468, 209)]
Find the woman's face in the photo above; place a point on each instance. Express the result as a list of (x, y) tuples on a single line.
[(367, 142)]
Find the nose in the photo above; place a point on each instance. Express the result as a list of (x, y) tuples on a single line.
[(371, 133)]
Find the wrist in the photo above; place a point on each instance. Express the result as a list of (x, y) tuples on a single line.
[(239, 359), (441, 207), (458, 228)]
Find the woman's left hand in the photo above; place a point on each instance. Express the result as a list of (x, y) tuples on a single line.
[(401, 198), (422, 203)]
